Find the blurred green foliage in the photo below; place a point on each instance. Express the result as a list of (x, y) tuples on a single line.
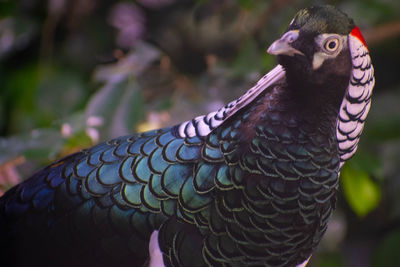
[(73, 73), (362, 194)]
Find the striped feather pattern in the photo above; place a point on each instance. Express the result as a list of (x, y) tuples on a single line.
[(203, 125), (357, 101)]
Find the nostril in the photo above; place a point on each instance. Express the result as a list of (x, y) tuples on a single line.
[(291, 36)]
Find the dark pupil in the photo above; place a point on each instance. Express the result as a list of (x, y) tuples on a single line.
[(332, 45)]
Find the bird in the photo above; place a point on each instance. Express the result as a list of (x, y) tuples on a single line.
[(251, 184)]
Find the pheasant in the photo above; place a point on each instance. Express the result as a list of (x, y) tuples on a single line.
[(251, 184)]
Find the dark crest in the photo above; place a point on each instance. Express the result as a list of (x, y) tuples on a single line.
[(322, 19)]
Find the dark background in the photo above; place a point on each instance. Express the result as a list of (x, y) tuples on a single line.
[(76, 72)]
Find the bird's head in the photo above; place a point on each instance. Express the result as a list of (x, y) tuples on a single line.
[(315, 46), (327, 63)]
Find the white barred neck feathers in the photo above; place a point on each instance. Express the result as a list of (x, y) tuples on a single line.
[(310, 42), (203, 125), (357, 101)]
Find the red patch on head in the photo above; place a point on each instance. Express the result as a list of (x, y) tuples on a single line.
[(356, 33)]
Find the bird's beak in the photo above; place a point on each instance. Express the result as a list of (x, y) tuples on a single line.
[(283, 45)]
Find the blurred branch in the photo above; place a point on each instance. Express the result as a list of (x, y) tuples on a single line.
[(383, 32)]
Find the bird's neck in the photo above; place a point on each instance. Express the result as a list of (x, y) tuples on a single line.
[(314, 96), (290, 106)]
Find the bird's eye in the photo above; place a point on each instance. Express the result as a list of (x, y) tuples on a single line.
[(331, 45)]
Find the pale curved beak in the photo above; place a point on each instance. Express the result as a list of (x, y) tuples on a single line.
[(283, 45)]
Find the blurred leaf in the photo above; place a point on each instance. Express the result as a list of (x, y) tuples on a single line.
[(16, 34), (19, 93), (129, 112), (248, 4), (40, 146), (120, 106), (326, 260), (7, 7), (387, 253), (133, 64), (76, 142), (362, 194), (384, 129), (119, 103), (21, 87), (367, 161), (40, 95), (268, 61), (60, 92), (248, 59), (74, 131)]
